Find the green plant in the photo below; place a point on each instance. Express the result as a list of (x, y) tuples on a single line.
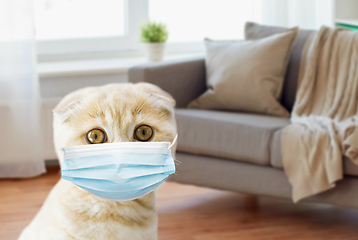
[(153, 32)]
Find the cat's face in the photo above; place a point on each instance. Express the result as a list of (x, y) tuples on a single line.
[(114, 113)]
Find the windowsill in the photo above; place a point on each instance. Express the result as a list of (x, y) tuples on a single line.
[(97, 66)]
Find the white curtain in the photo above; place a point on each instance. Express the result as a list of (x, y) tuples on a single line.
[(20, 132), (307, 14)]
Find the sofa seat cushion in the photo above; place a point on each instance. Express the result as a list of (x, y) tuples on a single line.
[(349, 168), (232, 135)]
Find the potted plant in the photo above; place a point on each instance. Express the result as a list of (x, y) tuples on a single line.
[(154, 35)]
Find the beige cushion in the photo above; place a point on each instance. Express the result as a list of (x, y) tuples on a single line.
[(237, 136), (255, 31), (349, 168), (247, 75)]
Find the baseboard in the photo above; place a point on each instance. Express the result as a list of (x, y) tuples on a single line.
[(53, 162)]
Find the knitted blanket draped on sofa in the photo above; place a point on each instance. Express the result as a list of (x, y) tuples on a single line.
[(324, 120)]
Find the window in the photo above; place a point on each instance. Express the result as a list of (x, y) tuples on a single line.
[(80, 27), (87, 27), (66, 19), (189, 20)]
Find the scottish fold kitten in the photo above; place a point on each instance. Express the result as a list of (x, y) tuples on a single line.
[(97, 115)]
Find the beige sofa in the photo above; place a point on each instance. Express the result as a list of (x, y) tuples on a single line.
[(234, 150)]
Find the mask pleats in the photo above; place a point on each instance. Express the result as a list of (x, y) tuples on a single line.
[(113, 186), (125, 196), (118, 173), (123, 158)]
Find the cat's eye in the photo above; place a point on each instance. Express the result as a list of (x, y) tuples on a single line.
[(96, 136), (143, 133)]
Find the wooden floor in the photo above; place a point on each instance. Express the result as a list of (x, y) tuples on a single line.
[(188, 212)]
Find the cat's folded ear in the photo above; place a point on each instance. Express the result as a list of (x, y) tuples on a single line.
[(157, 92), (70, 101)]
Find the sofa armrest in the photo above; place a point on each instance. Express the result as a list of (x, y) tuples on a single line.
[(183, 79)]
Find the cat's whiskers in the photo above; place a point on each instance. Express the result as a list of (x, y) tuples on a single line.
[(177, 162)]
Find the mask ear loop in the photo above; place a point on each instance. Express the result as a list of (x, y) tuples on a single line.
[(174, 141)]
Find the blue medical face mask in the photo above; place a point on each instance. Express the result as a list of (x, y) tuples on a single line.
[(118, 171)]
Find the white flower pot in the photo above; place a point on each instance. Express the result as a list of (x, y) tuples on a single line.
[(154, 51)]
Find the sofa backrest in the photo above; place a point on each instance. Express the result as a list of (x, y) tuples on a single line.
[(256, 31)]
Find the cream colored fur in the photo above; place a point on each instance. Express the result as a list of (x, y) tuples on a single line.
[(72, 213)]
